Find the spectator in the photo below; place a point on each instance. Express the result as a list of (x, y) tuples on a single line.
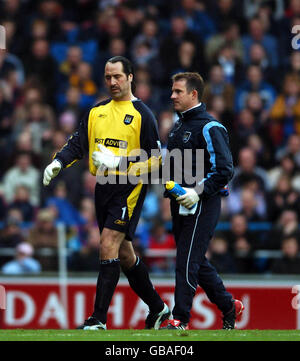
[(288, 167), (41, 66), (148, 35), (23, 262), (217, 85), (44, 235), (198, 20), (23, 173), (228, 36), (22, 202), (257, 34), (11, 233), (243, 256), (285, 112), (282, 197), (289, 262), (161, 240), (286, 226), (220, 257), (87, 258), (83, 80), (64, 210), (292, 147), (179, 32), (238, 229), (247, 170), (254, 83), (70, 65)]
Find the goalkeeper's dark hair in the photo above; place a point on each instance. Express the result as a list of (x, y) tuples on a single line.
[(127, 67), (194, 81)]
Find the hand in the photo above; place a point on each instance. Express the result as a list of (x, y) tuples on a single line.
[(188, 199), (51, 171), (104, 158)]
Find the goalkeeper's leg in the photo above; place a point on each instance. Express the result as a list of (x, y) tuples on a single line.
[(139, 280)]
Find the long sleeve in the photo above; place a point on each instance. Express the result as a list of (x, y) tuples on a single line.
[(77, 145), (221, 170)]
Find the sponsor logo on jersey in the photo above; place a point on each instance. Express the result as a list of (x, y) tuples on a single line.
[(110, 142)]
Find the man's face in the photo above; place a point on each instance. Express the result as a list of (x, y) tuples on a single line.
[(182, 99), (117, 82)]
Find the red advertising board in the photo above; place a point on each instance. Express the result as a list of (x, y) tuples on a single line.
[(47, 304)]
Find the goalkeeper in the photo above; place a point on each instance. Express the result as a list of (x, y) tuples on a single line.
[(111, 132)]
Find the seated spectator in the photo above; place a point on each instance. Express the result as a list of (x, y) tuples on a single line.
[(250, 206), (65, 211), (288, 167), (284, 196), (41, 66), (243, 256), (238, 229), (198, 20), (285, 112), (169, 46), (254, 83), (70, 65), (289, 263), (230, 63), (257, 34), (22, 202), (286, 226), (44, 232), (228, 35), (292, 147), (22, 173), (161, 240), (217, 85), (83, 80), (11, 234), (258, 57), (23, 263), (247, 170), (220, 256), (87, 258)]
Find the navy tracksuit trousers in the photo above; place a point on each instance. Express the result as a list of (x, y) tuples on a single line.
[(192, 235)]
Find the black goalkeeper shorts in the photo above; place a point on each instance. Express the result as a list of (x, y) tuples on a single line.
[(119, 206)]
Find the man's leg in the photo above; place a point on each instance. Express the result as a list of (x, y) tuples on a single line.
[(212, 285), (109, 272), (192, 239), (139, 280)]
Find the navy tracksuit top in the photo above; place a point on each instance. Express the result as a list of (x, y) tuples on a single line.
[(197, 129)]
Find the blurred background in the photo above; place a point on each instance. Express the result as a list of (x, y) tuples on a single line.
[(51, 73)]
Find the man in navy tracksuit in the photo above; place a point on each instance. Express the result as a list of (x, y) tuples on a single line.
[(193, 229)]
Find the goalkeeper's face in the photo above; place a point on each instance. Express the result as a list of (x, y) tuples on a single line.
[(117, 82)]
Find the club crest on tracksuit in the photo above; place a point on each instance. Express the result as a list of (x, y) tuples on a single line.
[(128, 119), (186, 136)]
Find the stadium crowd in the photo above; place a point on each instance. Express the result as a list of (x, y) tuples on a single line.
[(51, 73)]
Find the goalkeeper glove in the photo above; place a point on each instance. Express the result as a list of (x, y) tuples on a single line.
[(188, 199), (104, 158), (51, 171)]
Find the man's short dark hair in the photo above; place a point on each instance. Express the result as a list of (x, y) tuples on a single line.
[(194, 81), (127, 65)]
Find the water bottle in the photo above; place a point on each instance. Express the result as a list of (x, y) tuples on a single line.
[(176, 190)]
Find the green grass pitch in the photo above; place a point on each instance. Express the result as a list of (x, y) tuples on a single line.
[(149, 335)]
